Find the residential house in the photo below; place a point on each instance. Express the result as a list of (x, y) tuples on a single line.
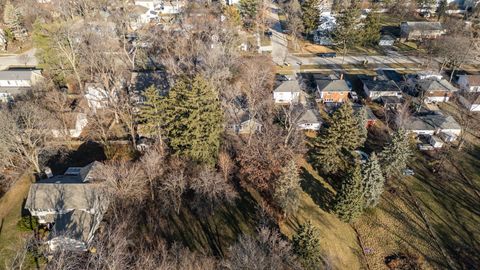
[(469, 83), (287, 92), (75, 123), (240, 120), (471, 101), (391, 102), (434, 90), (381, 87), (434, 124), (332, 90), (310, 120), (17, 82), (150, 4), (421, 30), (72, 205)]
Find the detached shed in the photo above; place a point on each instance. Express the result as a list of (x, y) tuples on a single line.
[(386, 40)]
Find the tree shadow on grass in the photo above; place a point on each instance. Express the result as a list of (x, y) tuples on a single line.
[(319, 194)]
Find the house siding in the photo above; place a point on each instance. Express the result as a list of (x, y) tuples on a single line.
[(336, 97)]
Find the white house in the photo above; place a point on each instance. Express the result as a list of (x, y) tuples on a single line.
[(17, 82), (436, 90), (287, 92), (309, 121), (72, 203), (375, 89), (470, 83), (434, 124)]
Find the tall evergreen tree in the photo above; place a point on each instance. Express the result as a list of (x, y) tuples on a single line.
[(248, 11), (395, 155), (13, 20), (150, 114), (192, 119), (311, 15), (371, 30), (344, 135), (361, 116), (346, 33), (373, 181), (287, 189), (306, 244), (349, 203)]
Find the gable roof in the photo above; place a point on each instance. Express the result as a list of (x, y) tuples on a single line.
[(53, 196), (424, 26), (309, 117), (381, 85), (332, 86), (433, 122), (436, 85), (74, 224), (288, 86), (17, 74)]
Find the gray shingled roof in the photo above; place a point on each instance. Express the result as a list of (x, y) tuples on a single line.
[(332, 85), (48, 196), (309, 117), (436, 85), (381, 85), (75, 224), (16, 75), (424, 26), (288, 86), (433, 122)]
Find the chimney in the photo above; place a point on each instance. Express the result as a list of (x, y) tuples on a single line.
[(341, 76), (375, 78)]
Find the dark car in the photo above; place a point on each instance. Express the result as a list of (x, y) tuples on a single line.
[(268, 33), (327, 55)]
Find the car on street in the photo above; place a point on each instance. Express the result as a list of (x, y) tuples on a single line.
[(408, 172), (327, 55)]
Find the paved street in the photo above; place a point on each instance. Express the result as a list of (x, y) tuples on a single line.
[(26, 59)]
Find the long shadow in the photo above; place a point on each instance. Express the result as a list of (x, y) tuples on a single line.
[(319, 194), (86, 153)]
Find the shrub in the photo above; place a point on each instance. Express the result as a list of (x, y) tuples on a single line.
[(27, 223)]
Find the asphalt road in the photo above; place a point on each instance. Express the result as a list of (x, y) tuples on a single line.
[(26, 59)]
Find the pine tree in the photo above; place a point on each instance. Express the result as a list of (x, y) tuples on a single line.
[(345, 125), (150, 115), (13, 20), (346, 33), (311, 15), (371, 30), (248, 11), (344, 135), (372, 181), (361, 116), (306, 244), (287, 189), (348, 203), (192, 119), (395, 155)]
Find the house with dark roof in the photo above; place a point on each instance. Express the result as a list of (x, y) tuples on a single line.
[(310, 120), (17, 82), (72, 204), (332, 90), (370, 117), (421, 30), (380, 87), (436, 90), (469, 83)]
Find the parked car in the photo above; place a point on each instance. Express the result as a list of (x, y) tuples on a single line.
[(327, 55), (268, 33)]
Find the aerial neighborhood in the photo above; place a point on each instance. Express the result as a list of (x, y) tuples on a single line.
[(240, 134)]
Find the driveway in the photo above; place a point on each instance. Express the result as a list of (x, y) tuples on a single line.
[(26, 59)]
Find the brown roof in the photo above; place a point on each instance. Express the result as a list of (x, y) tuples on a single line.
[(473, 80)]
